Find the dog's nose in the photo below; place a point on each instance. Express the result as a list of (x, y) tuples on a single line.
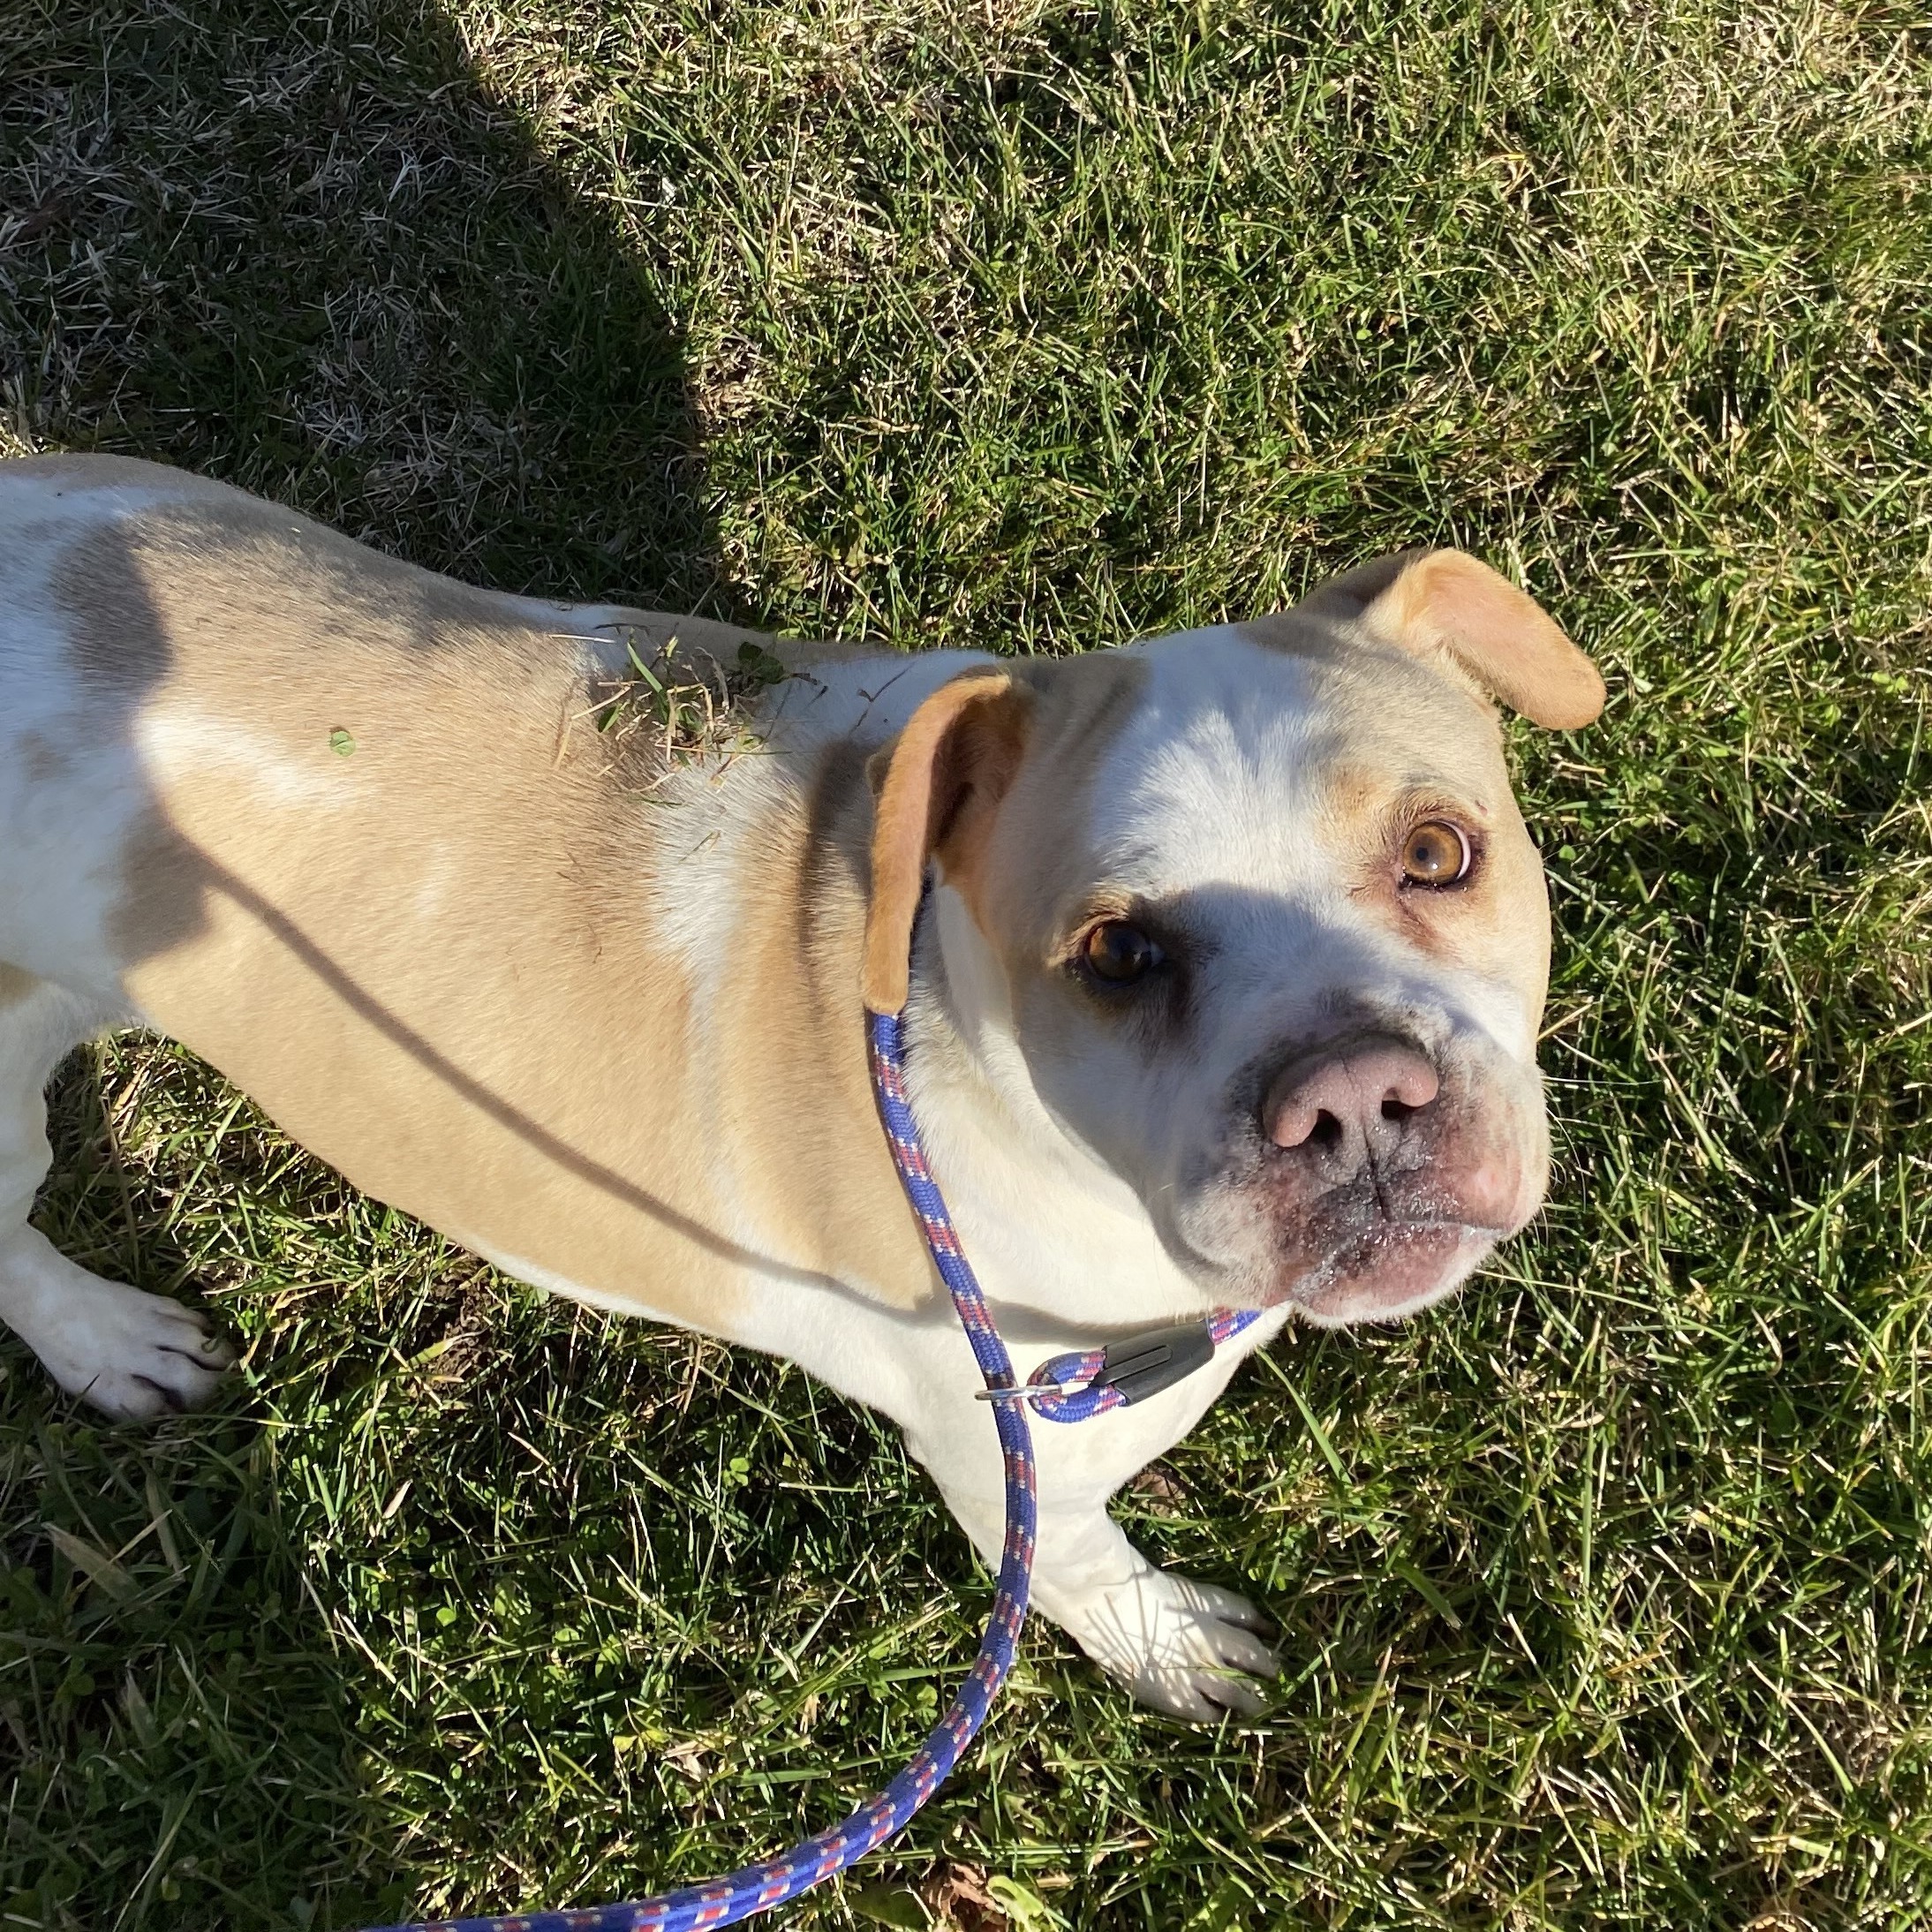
[(1345, 1107)]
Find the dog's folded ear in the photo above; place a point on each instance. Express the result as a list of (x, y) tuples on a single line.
[(936, 787), (1428, 602)]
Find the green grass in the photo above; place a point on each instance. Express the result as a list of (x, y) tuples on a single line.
[(1040, 324)]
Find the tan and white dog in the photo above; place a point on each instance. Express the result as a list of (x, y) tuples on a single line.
[(1226, 990)]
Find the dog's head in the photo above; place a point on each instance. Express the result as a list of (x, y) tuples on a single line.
[(1251, 913)]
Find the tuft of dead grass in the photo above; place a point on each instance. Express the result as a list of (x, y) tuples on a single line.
[(684, 709)]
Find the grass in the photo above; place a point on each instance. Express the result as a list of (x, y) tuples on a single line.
[(1040, 324)]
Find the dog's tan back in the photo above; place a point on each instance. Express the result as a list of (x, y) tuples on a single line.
[(376, 861)]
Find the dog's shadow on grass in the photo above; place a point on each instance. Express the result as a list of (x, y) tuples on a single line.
[(316, 252)]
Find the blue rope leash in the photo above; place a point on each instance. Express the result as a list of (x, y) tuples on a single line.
[(1068, 1389)]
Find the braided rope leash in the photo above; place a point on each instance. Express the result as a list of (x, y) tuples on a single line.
[(1071, 1388)]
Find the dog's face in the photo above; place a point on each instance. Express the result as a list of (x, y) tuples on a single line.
[(1256, 921)]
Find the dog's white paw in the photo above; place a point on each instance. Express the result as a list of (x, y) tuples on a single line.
[(135, 1356), (148, 1356), (1183, 1646)]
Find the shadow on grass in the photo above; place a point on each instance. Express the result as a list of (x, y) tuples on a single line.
[(309, 250)]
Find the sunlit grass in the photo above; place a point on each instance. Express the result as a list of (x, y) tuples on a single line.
[(1039, 326)]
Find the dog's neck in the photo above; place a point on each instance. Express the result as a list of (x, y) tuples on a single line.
[(768, 863), (1051, 1229)]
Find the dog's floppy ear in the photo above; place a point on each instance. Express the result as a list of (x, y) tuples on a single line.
[(936, 787), (1425, 601)]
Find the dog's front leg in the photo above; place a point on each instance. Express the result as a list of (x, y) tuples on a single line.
[(131, 1354), (1188, 1648)]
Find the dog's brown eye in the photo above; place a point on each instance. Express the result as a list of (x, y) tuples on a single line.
[(1118, 953), (1436, 854)]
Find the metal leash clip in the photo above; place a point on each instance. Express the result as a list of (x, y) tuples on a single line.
[(1140, 1366)]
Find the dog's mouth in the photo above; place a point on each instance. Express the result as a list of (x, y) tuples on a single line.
[(1394, 1271)]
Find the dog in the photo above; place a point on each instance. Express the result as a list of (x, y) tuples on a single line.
[(1223, 959)]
